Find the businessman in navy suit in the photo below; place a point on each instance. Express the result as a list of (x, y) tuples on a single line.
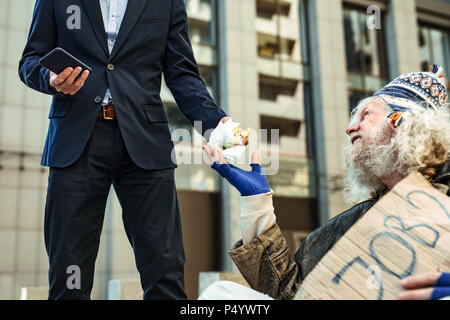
[(109, 127)]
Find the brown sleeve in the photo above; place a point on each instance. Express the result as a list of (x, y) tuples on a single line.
[(265, 264)]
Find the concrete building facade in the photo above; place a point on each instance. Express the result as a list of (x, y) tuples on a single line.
[(289, 69)]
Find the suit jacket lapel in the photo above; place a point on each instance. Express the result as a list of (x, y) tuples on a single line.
[(94, 12), (132, 14)]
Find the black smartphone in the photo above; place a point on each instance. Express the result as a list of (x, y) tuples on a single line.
[(59, 59)]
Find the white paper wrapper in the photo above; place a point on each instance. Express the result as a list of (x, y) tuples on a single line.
[(222, 137), (234, 153)]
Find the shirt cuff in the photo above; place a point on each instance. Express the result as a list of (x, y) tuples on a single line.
[(257, 215)]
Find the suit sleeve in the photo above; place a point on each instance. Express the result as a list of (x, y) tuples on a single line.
[(41, 40), (182, 75)]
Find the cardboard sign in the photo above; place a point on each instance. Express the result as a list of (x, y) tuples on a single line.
[(406, 232)]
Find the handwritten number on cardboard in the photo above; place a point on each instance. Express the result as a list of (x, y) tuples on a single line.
[(337, 278), (389, 222), (389, 235), (408, 196)]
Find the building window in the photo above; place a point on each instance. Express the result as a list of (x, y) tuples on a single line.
[(202, 21), (283, 76), (434, 47), (365, 55), (269, 8)]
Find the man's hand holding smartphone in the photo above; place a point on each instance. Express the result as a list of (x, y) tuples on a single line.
[(67, 81)]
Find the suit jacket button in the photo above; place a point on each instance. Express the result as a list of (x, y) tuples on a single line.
[(98, 99), (111, 67)]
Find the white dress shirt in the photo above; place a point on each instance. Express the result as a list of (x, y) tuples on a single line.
[(113, 12)]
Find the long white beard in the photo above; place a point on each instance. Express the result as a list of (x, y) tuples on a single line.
[(367, 162)]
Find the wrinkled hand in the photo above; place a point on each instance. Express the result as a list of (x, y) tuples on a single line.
[(213, 154), (248, 183), (432, 285), (67, 81)]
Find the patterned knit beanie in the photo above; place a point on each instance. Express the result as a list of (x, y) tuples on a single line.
[(422, 89)]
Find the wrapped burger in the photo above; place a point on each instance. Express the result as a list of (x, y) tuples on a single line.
[(230, 138)]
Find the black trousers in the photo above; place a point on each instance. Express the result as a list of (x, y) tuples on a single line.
[(74, 214)]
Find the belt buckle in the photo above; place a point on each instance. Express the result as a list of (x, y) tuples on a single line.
[(104, 114)]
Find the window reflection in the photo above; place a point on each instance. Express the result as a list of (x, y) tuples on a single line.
[(200, 21), (365, 55), (434, 47), (352, 41)]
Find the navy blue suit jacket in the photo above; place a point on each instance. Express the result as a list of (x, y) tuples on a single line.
[(153, 39)]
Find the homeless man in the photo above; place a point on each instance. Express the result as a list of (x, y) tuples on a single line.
[(404, 127)]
